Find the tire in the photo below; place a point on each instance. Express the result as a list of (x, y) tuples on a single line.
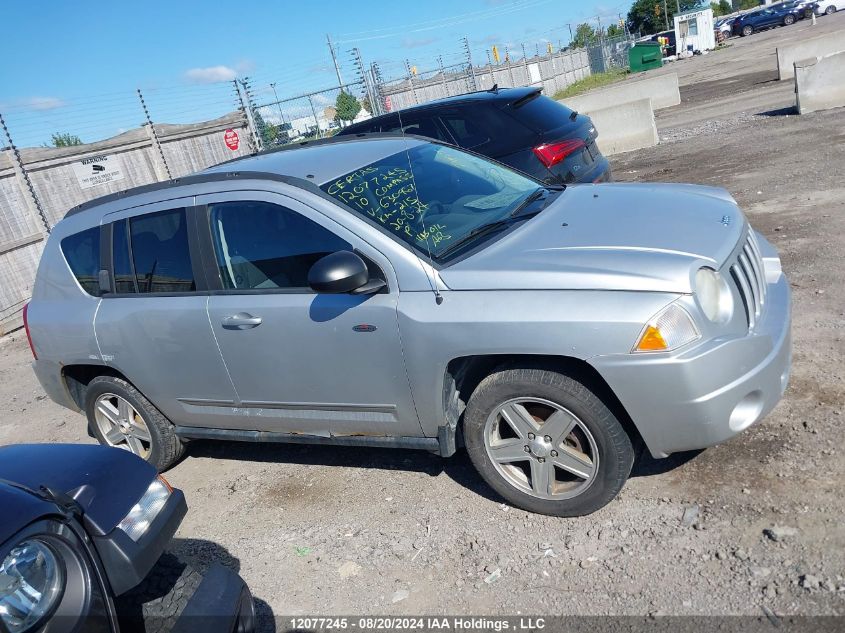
[(521, 472), (789, 19), (148, 429), (830, 10), (154, 605), (747, 30)]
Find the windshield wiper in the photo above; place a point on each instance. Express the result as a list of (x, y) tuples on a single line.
[(484, 229), (531, 197)]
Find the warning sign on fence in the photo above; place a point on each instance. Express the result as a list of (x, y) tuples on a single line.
[(230, 137), (98, 170)]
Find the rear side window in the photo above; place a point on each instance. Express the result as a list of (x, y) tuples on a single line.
[(485, 129), (82, 252), (541, 113), (421, 124), (263, 246), (159, 252)]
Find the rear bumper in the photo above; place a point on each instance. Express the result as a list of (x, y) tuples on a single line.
[(221, 604), (712, 392)]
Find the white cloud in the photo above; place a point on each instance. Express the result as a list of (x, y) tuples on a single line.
[(43, 103), (211, 75)]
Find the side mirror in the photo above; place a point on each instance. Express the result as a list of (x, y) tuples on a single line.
[(342, 272)]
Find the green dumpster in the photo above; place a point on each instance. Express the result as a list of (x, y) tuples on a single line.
[(645, 56)]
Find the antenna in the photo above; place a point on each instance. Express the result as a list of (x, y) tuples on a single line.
[(438, 298)]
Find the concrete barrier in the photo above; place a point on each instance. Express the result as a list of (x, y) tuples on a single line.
[(625, 127), (820, 83), (661, 89), (812, 47)]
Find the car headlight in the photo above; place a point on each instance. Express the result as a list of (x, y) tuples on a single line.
[(142, 514), (713, 295), (31, 585), (669, 329)]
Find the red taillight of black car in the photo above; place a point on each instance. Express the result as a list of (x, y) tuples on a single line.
[(26, 328), (553, 153)]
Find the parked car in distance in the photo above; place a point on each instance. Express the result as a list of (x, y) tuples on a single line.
[(517, 126), (82, 539), (829, 7), (725, 25), (393, 291), (774, 15)]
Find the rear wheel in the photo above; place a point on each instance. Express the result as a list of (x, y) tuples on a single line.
[(747, 30), (120, 416), (789, 19), (546, 442), (830, 10)]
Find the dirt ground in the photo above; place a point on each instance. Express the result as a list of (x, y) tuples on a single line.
[(319, 530)]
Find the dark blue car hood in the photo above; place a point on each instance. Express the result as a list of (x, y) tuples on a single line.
[(106, 482), (20, 508)]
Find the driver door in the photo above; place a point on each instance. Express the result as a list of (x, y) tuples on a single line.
[(302, 362)]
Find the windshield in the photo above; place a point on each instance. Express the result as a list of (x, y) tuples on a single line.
[(449, 195)]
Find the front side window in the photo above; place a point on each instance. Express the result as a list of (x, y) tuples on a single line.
[(447, 195), (82, 252), (160, 253), (263, 246)]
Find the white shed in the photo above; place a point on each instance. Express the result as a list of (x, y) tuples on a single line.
[(694, 30)]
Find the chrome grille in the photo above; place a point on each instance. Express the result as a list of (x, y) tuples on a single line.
[(750, 278)]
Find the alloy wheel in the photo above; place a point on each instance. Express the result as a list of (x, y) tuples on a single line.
[(541, 448), (121, 425)]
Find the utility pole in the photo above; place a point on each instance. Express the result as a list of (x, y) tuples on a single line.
[(30, 197), (278, 103), (571, 37), (443, 75), (411, 81), (474, 85), (334, 59), (159, 161), (314, 112), (666, 14), (246, 107), (362, 74)]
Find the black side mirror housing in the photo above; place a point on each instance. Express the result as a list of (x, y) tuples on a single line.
[(342, 272)]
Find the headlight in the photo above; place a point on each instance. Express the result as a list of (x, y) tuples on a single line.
[(668, 329), (714, 295), (142, 514), (31, 585)]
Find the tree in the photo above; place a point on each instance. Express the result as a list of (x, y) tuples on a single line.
[(614, 30), (64, 139), (365, 103), (347, 106), (584, 35), (267, 132), (646, 16), (749, 4), (723, 7)]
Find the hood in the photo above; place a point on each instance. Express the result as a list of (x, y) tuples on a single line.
[(640, 237), (20, 508), (106, 482)]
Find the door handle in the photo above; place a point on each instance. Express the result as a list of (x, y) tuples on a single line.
[(241, 321)]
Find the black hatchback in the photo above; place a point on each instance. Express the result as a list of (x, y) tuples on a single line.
[(516, 126)]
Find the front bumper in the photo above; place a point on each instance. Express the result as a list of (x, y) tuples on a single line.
[(712, 392)]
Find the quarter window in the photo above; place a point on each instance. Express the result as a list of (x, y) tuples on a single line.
[(82, 252), (263, 246), (159, 252)]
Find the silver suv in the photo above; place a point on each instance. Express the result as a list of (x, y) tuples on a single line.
[(395, 292)]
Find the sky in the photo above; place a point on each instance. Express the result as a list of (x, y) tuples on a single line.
[(75, 67)]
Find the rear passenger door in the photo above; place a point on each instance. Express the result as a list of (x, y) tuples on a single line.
[(321, 364), (153, 325)]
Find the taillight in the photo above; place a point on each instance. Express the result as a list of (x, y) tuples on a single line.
[(26, 327), (553, 153)]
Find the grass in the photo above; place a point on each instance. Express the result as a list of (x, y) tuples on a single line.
[(592, 81)]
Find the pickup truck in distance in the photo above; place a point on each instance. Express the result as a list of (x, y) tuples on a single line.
[(392, 291)]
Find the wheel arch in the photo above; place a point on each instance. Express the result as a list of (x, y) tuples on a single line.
[(78, 377), (463, 375)]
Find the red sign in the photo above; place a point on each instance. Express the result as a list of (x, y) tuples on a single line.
[(231, 139)]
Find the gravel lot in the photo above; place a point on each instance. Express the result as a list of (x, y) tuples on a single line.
[(750, 525)]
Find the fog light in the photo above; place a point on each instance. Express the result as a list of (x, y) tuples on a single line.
[(746, 412)]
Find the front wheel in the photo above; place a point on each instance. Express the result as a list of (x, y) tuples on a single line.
[(747, 30), (788, 20), (830, 10), (546, 442)]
